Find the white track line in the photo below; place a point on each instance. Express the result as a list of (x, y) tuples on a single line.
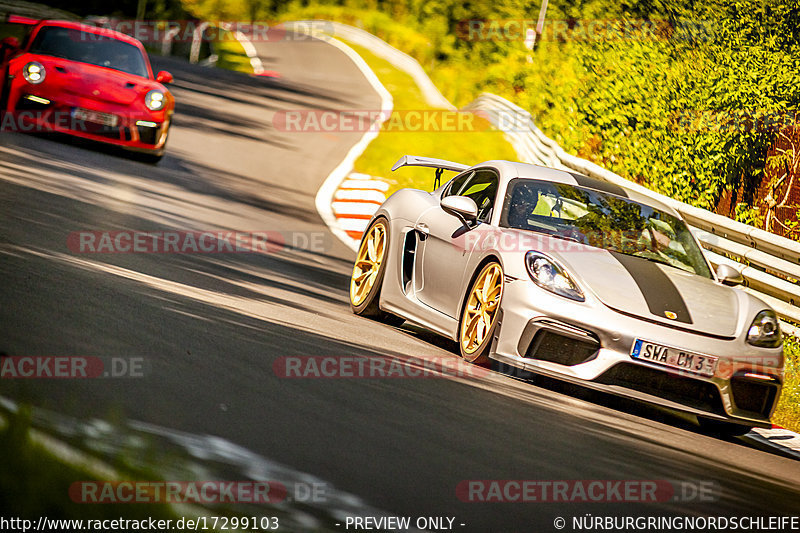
[(326, 193), (342, 209), (250, 50), (360, 195), (778, 437), (364, 182), (353, 224)]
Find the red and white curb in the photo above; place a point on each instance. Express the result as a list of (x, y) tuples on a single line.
[(778, 438), (355, 201), (345, 227)]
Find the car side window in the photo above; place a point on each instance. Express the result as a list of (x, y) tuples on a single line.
[(457, 184), (481, 186)]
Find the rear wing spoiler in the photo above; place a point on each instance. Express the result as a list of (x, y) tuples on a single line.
[(417, 161)]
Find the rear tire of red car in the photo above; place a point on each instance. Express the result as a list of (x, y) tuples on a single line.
[(4, 91)]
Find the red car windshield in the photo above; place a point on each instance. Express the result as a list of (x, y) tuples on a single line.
[(85, 47)]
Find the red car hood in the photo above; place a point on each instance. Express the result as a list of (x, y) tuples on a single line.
[(97, 83)]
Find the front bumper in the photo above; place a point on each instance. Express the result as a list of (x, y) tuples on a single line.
[(134, 130), (590, 344)]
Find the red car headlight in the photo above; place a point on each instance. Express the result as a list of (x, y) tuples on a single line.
[(154, 100), (34, 72)]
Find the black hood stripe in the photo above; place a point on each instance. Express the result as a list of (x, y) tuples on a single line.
[(658, 290)]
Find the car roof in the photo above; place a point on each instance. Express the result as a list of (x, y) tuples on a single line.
[(97, 30), (509, 170)]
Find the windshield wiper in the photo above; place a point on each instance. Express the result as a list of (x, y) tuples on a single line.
[(566, 238), (556, 235)]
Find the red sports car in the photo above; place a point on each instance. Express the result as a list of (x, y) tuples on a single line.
[(88, 82)]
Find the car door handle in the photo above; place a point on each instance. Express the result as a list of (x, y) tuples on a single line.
[(422, 228)]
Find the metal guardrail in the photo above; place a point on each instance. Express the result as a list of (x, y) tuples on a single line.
[(769, 264)]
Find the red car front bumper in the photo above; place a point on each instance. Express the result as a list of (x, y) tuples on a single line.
[(36, 110)]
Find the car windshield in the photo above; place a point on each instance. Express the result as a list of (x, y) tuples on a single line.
[(602, 220), (86, 47)]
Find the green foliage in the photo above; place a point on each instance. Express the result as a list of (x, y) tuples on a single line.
[(788, 412)]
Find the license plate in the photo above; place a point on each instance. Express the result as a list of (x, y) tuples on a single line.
[(95, 117), (696, 363)]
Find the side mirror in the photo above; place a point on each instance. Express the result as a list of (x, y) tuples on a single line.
[(461, 207), (164, 77), (729, 276)]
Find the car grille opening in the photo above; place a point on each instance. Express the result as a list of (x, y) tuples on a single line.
[(148, 134), (556, 348), (680, 389), (756, 397), (32, 103)]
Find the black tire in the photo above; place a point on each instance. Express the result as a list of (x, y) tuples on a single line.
[(718, 428), (366, 305), (4, 91), (479, 355)]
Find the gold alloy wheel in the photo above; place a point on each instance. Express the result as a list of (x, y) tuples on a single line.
[(481, 308), (368, 264)]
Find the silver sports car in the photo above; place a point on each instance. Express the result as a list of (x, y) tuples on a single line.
[(560, 274)]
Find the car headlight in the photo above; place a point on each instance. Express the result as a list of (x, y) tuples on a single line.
[(154, 100), (34, 72), (549, 275), (765, 331)]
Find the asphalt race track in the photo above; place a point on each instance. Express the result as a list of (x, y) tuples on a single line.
[(210, 326)]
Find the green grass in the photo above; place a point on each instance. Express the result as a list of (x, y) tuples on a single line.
[(230, 53), (788, 412), (469, 147)]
